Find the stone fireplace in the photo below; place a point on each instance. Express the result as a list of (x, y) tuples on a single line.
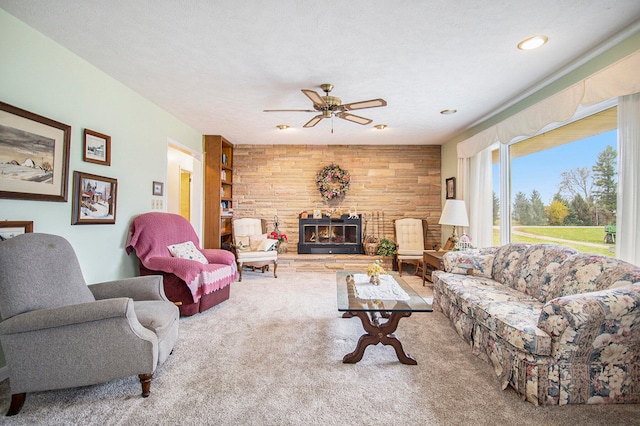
[(330, 235)]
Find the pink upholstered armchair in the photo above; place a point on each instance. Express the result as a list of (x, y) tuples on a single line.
[(195, 279)]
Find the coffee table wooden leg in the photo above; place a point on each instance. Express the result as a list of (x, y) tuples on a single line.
[(378, 333)]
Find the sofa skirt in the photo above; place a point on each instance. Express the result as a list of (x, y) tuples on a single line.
[(542, 380)]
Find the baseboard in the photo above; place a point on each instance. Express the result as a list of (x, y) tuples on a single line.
[(4, 373)]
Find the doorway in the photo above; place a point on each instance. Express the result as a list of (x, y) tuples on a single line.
[(185, 194), (184, 184)]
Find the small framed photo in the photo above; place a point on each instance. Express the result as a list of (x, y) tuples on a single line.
[(94, 199), (97, 148), (158, 188), (317, 214), (450, 185), (10, 229)]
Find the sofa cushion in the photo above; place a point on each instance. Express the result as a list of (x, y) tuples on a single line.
[(517, 323), (585, 272), (538, 264), (506, 262), (510, 314)]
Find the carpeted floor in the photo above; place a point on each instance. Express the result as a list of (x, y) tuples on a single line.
[(272, 355)]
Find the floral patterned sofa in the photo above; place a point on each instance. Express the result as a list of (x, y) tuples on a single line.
[(558, 326)]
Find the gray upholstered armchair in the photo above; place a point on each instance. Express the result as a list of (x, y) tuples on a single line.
[(57, 332)]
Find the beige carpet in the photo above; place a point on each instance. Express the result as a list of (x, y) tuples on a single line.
[(272, 355)]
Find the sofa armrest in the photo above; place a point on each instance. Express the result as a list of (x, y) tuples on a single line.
[(584, 323), (476, 262), (224, 257), (147, 287)]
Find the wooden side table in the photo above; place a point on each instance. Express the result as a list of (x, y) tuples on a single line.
[(431, 261)]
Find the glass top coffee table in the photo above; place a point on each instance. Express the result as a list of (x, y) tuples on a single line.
[(392, 300)]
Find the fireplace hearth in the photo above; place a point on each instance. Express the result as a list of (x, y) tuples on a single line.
[(331, 235)]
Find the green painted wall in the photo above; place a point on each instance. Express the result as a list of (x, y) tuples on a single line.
[(40, 76)]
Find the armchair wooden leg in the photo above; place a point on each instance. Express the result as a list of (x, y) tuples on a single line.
[(400, 267), (275, 266), (239, 272), (145, 381), (17, 401)]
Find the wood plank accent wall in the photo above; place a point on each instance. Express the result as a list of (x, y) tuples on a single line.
[(387, 183)]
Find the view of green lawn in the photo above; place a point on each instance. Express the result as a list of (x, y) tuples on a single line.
[(574, 236)]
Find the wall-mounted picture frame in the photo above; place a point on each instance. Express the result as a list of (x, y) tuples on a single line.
[(13, 228), (94, 199), (158, 188), (450, 186), (97, 148), (34, 156)]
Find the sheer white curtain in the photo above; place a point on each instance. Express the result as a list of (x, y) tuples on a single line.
[(628, 213), (480, 201), (474, 181)]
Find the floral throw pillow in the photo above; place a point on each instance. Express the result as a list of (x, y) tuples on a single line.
[(469, 263), (187, 250), (242, 242)]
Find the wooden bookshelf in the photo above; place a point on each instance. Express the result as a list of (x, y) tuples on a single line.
[(218, 190)]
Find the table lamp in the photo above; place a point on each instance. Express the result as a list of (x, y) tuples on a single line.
[(454, 213)]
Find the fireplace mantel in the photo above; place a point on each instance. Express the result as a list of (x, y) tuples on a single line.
[(331, 235)]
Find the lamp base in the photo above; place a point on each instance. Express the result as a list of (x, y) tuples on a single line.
[(450, 244)]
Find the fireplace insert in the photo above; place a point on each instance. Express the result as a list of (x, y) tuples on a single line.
[(331, 235)]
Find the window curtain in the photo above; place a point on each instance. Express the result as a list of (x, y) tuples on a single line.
[(475, 174), (628, 214), (618, 79)]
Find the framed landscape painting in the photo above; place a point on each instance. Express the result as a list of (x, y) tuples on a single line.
[(97, 148), (94, 199), (11, 228), (34, 156)]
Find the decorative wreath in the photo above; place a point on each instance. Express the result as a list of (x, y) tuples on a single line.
[(333, 182)]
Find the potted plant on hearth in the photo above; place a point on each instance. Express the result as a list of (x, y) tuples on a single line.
[(387, 248)]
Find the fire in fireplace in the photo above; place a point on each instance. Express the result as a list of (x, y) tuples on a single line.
[(331, 235)]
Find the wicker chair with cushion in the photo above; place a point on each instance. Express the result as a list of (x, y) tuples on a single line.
[(57, 332)]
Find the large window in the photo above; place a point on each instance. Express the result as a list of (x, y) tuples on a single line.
[(562, 186)]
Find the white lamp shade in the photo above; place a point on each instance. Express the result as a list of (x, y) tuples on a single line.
[(454, 213)]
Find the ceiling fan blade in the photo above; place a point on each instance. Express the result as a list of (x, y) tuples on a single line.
[(372, 103), (315, 98), (289, 110), (354, 118), (315, 120)]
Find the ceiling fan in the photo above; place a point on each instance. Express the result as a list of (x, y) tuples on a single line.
[(330, 106)]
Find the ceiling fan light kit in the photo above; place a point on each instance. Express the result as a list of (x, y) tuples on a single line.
[(331, 106)]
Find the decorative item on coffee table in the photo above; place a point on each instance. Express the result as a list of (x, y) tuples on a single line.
[(374, 271)]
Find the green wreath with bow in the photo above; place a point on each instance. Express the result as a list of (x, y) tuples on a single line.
[(333, 182)]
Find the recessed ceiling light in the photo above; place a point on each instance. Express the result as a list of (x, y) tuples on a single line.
[(282, 126), (532, 42), (380, 126), (448, 111)]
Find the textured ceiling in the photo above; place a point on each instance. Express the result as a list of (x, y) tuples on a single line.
[(217, 65)]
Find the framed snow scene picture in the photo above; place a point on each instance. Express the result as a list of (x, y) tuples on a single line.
[(94, 199), (97, 148), (34, 156)]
